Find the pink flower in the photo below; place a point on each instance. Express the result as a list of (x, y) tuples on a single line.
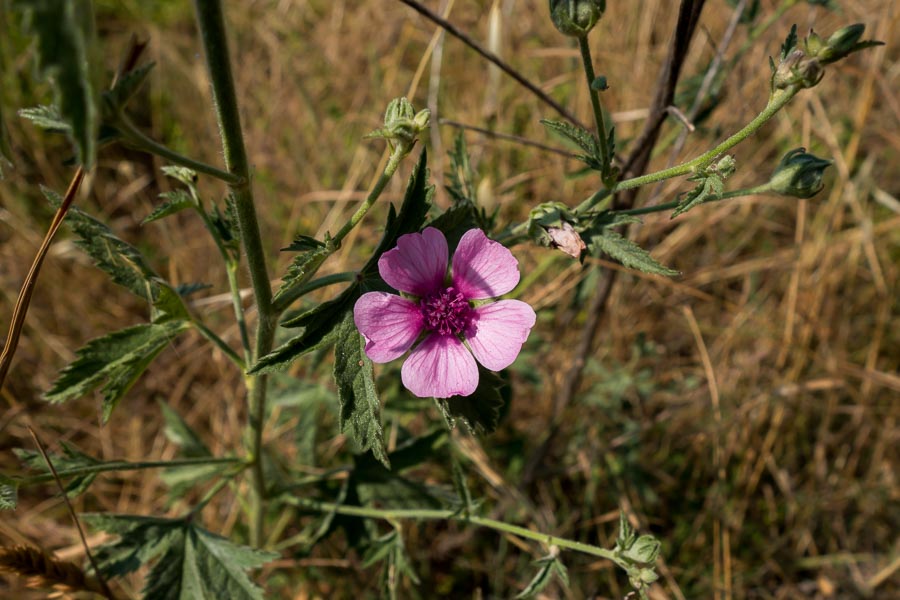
[(442, 364)]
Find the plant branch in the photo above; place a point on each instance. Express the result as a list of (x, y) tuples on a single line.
[(588, 64), (124, 465), (134, 137), (211, 23), (301, 290), (459, 517), (492, 58)]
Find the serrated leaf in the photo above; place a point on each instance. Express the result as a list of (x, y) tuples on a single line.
[(183, 174), (9, 493), (300, 270), (582, 138), (63, 29), (125, 88), (391, 550), (460, 177), (303, 243), (119, 259), (709, 188), (181, 434), (550, 567), (175, 201), (628, 253), (354, 375), (193, 563), (117, 359), (46, 117), (319, 322), (71, 458), (790, 42), (480, 412), (455, 222)]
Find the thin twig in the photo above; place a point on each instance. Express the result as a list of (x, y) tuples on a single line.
[(65, 496), (509, 137), (493, 58)]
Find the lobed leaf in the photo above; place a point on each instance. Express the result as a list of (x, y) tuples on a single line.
[(9, 493), (550, 567), (117, 359), (709, 187), (461, 177), (628, 253), (63, 29), (175, 202), (71, 458), (46, 117), (126, 87), (190, 562), (582, 138)]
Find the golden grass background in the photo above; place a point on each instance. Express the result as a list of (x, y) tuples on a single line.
[(746, 412)]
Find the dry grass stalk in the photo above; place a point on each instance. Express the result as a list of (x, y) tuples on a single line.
[(44, 571)]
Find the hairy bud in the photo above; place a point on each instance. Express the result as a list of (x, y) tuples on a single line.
[(799, 174), (402, 125), (576, 18)]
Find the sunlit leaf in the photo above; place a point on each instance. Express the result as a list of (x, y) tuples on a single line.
[(628, 253), (480, 411), (9, 493)]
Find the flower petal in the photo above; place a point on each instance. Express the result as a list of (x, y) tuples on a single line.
[(418, 264), (498, 332), (389, 323), (483, 268), (440, 367)]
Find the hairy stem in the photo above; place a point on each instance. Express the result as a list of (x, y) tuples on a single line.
[(288, 298), (460, 517), (215, 43), (135, 138), (588, 64)]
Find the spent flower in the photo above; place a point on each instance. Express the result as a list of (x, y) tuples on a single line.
[(445, 311)]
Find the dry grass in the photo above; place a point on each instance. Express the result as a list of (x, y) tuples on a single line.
[(746, 412)]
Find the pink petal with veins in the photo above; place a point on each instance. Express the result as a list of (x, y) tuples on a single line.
[(389, 323), (440, 367), (498, 332), (418, 264), (483, 268)]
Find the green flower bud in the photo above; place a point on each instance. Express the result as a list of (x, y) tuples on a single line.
[(798, 69), (799, 174), (841, 43), (576, 18), (402, 125)]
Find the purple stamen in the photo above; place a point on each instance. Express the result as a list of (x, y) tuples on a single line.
[(446, 312)]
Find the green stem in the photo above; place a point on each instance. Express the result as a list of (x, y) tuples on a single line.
[(400, 151), (134, 137), (231, 268), (776, 102), (585, 48), (287, 298), (646, 210), (124, 465), (450, 515), (219, 342), (215, 43)]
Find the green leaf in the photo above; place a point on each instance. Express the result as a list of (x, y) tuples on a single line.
[(790, 42), (117, 359), (181, 434), (120, 260), (644, 550), (175, 201), (302, 268), (582, 138), (304, 243), (46, 117), (628, 253), (320, 322), (6, 154), (9, 493), (63, 29), (71, 458), (355, 378), (183, 174), (391, 550), (125, 88), (480, 411), (709, 187), (190, 562), (461, 177), (550, 567)]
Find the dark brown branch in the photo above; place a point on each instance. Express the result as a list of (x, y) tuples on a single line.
[(493, 58)]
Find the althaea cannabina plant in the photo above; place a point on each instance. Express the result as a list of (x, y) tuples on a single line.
[(445, 308)]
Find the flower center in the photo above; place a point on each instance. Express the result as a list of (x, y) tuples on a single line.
[(447, 311)]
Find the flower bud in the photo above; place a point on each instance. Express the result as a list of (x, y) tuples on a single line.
[(402, 125), (841, 43), (576, 18), (799, 174)]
